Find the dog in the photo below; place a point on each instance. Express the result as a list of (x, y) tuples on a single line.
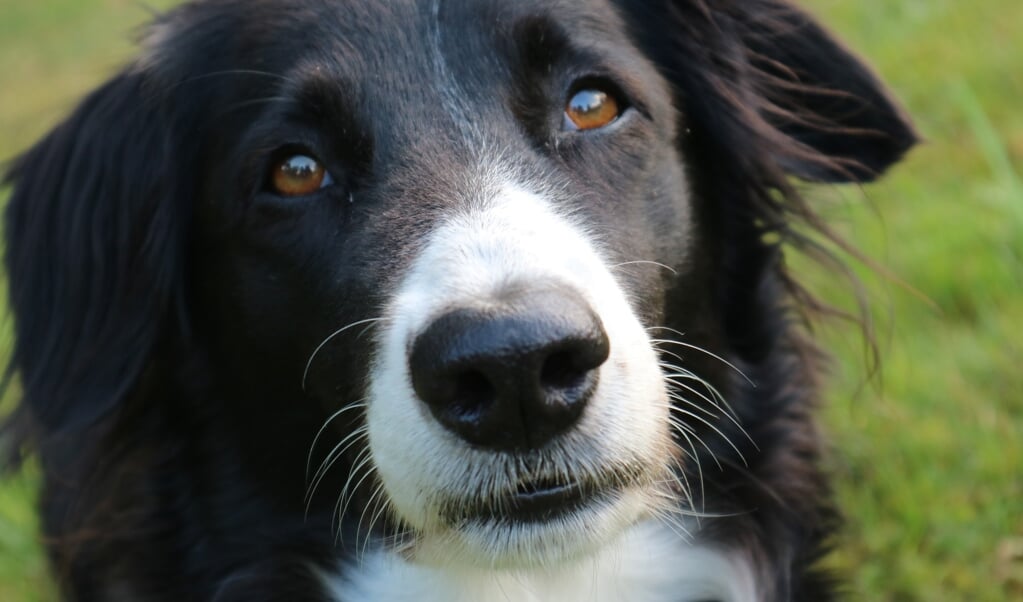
[(419, 300)]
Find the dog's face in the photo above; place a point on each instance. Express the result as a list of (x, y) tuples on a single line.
[(477, 245), (463, 248)]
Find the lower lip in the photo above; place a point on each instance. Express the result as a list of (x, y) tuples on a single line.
[(540, 506)]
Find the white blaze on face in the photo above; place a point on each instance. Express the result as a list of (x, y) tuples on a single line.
[(512, 238)]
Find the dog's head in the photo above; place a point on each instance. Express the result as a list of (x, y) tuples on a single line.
[(477, 242)]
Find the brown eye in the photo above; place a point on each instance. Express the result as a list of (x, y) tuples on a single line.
[(298, 175), (590, 109)]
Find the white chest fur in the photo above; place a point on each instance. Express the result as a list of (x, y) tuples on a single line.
[(648, 564)]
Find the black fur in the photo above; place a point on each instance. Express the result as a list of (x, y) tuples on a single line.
[(165, 304)]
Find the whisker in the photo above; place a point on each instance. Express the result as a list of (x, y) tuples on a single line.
[(681, 479), (305, 373), (656, 345), (672, 376), (226, 72), (729, 413), (709, 425), (692, 453), (718, 400), (249, 103), (309, 459), (684, 512), (674, 383), (644, 261), (360, 462), (675, 524), (374, 499), (701, 350), (672, 506), (686, 431), (335, 454), (383, 507), (351, 494)]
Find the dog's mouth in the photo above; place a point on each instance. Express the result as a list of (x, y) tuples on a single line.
[(540, 500), (536, 501)]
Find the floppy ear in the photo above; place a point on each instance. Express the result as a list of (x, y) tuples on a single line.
[(763, 72), (818, 93), (765, 93), (92, 254)]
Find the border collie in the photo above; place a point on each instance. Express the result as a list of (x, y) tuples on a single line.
[(472, 300)]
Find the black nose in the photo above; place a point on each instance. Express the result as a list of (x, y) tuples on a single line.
[(513, 374)]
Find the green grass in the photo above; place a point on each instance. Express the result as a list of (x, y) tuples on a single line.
[(929, 460)]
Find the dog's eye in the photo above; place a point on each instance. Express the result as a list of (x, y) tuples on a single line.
[(590, 108), (298, 175)]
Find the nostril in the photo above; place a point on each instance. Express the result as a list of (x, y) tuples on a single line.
[(562, 371), (472, 393)]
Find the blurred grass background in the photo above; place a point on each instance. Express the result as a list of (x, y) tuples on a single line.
[(929, 457)]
